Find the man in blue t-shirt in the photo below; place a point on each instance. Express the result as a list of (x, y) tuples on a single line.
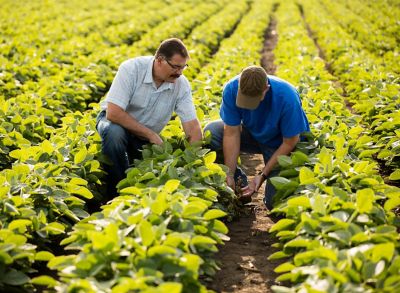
[(260, 114)]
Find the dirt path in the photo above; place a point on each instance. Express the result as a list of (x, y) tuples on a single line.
[(243, 259)]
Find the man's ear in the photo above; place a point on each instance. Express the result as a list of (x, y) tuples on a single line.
[(265, 92)]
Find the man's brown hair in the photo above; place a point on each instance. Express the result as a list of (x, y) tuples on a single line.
[(170, 47), (252, 84)]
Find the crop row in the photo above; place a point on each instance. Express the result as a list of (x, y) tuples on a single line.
[(152, 171), (376, 15), (57, 174), (370, 86), (235, 53), (386, 8), (30, 64), (337, 236), (379, 42), (21, 123), (162, 228)]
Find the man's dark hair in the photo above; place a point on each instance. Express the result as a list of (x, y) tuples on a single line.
[(170, 47)]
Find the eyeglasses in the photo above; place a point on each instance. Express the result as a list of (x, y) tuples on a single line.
[(177, 67)]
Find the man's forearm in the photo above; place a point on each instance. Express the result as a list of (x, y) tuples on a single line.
[(131, 124), (284, 149), (192, 130), (231, 149)]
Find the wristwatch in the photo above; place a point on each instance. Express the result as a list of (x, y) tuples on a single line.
[(263, 175)]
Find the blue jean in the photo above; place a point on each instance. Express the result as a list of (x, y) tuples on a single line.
[(248, 145), (120, 146)]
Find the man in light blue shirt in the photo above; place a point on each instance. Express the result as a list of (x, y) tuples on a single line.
[(260, 114), (144, 94)]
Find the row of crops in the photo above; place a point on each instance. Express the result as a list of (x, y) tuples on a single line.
[(160, 234), (340, 232)]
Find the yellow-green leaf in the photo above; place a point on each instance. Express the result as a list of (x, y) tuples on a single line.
[(80, 156)]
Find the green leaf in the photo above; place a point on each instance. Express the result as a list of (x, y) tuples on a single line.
[(281, 289), (307, 176), (15, 278), (289, 173), (201, 240), (342, 236), (219, 226), (169, 287), (307, 257), (298, 243), (392, 203), (78, 181), (54, 228), (335, 275), (161, 249), (279, 182), (191, 262), (383, 251), (171, 185), (80, 156), (146, 233), (282, 224), (213, 214), (44, 256), (278, 255), (364, 201), (19, 225), (160, 204), (80, 190), (193, 209), (5, 258), (210, 158), (395, 175), (285, 267), (16, 239), (299, 201), (318, 204), (368, 270), (287, 277), (284, 161), (147, 176), (44, 281), (131, 190), (299, 158), (47, 147)]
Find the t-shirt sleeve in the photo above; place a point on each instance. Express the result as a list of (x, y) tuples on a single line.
[(229, 112), (184, 107), (122, 87), (293, 120)]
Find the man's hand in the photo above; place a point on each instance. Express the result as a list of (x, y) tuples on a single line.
[(255, 184), (156, 139), (192, 130), (118, 115), (230, 182)]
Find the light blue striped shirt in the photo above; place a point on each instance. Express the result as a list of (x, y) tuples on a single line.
[(134, 90)]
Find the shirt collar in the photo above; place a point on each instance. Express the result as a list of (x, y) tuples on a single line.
[(149, 71)]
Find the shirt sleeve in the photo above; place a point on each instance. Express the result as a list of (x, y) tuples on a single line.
[(122, 87), (229, 113), (184, 107), (293, 120)]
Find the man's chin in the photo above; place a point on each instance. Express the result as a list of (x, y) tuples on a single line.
[(172, 79)]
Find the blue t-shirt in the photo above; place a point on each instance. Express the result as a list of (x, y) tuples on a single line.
[(278, 115)]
